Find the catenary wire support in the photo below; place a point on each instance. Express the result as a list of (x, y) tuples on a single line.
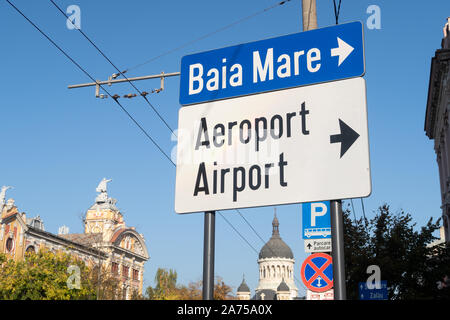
[(112, 80), (115, 97)]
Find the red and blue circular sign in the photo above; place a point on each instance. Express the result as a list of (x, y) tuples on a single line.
[(317, 272)]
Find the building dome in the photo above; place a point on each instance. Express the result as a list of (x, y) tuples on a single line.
[(276, 247)]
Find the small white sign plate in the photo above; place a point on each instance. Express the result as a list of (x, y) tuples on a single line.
[(318, 245), (327, 295)]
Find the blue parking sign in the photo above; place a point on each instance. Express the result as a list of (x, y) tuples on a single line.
[(316, 220)]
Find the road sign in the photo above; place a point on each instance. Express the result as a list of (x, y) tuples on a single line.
[(316, 220), (318, 245), (327, 295), (289, 146), (373, 294), (317, 272), (304, 58)]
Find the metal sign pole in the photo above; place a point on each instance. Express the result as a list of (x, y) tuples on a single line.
[(337, 253), (208, 255)]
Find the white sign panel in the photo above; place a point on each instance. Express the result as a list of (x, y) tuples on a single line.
[(295, 145), (318, 245), (327, 295)]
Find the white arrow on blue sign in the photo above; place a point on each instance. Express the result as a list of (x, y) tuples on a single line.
[(373, 294), (316, 56), (316, 220)]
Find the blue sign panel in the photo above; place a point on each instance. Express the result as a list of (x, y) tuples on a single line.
[(373, 294), (316, 220), (299, 59)]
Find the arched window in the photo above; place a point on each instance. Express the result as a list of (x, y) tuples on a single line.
[(9, 244), (30, 249)]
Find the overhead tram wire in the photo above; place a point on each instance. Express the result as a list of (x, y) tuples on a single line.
[(117, 69), (242, 237), (363, 210), (242, 216), (87, 74), (206, 36), (120, 105), (353, 209), (337, 10)]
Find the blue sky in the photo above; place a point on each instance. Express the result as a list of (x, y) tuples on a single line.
[(58, 144)]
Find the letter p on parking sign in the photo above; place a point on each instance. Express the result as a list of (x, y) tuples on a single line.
[(316, 220)]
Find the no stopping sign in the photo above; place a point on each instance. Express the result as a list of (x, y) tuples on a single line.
[(317, 272)]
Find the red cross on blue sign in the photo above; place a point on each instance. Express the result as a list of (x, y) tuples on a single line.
[(317, 272)]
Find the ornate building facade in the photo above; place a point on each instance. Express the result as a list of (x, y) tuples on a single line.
[(276, 271), (437, 120), (106, 240)]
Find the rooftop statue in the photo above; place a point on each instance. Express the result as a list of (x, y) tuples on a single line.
[(102, 188), (3, 194), (103, 185)]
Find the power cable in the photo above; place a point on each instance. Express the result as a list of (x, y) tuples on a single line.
[(122, 73), (117, 69), (206, 35), (87, 74), (248, 223), (353, 209), (242, 237), (120, 105), (364, 211), (123, 109), (295, 278), (337, 10)]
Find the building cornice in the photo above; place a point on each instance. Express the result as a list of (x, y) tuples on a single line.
[(439, 64), (64, 242)]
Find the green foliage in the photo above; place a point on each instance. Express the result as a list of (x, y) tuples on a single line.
[(106, 286), (42, 276), (408, 263), (167, 289)]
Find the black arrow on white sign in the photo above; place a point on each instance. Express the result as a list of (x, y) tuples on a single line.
[(347, 137)]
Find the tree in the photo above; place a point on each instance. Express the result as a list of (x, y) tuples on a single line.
[(135, 295), (193, 291), (167, 289), (44, 276), (222, 291), (105, 284), (409, 264)]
